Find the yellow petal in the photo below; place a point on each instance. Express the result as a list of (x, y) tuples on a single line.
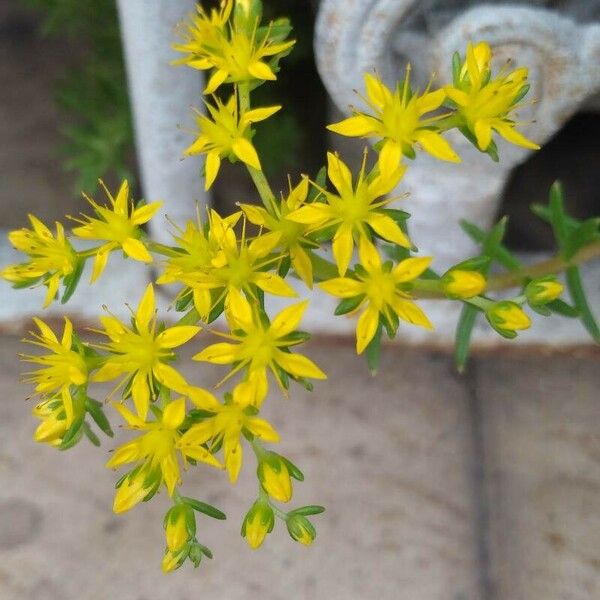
[(411, 268), (124, 454), (238, 310), (255, 214), (132, 420), (144, 213), (46, 332), (483, 133), (510, 134), (145, 311), (436, 145), (218, 354), (52, 284), (274, 284), (203, 399), (259, 114), (245, 151), (200, 453), (233, 458), (366, 328), (298, 365), (378, 93), (202, 302), (410, 312), (342, 247), (459, 97), (211, 168), (174, 414), (342, 287), (369, 255), (170, 471), (302, 265), (356, 126), (261, 70), (140, 392), (170, 377), (339, 173), (315, 214), (216, 79), (176, 336), (388, 229), (430, 101), (120, 202), (262, 429), (108, 371), (100, 262), (261, 245), (135, 249), (288, 319)]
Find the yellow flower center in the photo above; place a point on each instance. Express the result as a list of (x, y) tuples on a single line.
[(158, 443), (380, 288)]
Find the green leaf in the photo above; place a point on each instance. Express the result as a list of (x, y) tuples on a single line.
[(464, 329), (580, 236), (72, 280), (575, 286), (503, 255), (562, 308), (90, 434), (456, 68), (205, 508), (307, 511), (94, 409), (373, 351), (348, 304), (294, 471)]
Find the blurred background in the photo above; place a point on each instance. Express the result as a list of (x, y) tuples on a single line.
[(484, 487)]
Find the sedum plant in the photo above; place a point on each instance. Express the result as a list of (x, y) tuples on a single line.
[(337, 230)]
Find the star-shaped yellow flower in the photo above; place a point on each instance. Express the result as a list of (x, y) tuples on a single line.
[(118, 225), (355, 207), (236, 54), (227, 424), (141, 353), (227, 134), (397, 119), (60, 369), (261, 345), (155, 453), (381, 289), (485, 103), (51, 258)]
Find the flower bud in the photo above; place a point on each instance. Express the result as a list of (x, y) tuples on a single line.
[(53, 427), (172, 560), (258, 522), (542, 291), (180, 526), (301, 529), (137, 485), (274, 476), (459, 283), (507, 316)]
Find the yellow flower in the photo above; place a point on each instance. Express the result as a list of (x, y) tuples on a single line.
[(292, 235), (227, 134), (59, 370), (236, 54), (142, 353), (50, 258), (177, 530), (542, 291), (484, 103), (259, 521), (233, 266), (54, 423), (155, 453), (355, 208), (301, 529), (226, 425), (506, 316), (261, 345), (398, 120), (383, 290), (274, 476), (118, 225), (459, 283)]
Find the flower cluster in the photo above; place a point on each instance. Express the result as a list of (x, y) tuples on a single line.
[(337, 231)]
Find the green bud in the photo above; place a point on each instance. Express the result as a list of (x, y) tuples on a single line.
[(258, 522), (507, 317), (274, 476), (301, 529), (543, 290)]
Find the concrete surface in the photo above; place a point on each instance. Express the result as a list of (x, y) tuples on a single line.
[(436, 487)]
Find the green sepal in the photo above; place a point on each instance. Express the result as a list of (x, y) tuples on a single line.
[(184, 301), (464, 330), (70, 281), (293, 470), (521, 94), (373, 351), (348, 305), (204, 508), (456, 69), (562, 308), (284, 266), (94, 409), (307, 511), (90, 434)]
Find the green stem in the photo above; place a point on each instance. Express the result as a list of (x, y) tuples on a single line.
[(258, 177)]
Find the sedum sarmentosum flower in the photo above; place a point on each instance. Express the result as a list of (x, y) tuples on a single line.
[(383, 290), (485, 104), (292, 236), (51, 258), (234, 265), (507, 317), (141, 353), (54, 424), (227, 134), (355, 208), (261, 345), (462, 283), (227, 423), (397, 119), (258, 522), (155, 452), (236, 53), (301, 529), (62, 368), (118, 226)]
